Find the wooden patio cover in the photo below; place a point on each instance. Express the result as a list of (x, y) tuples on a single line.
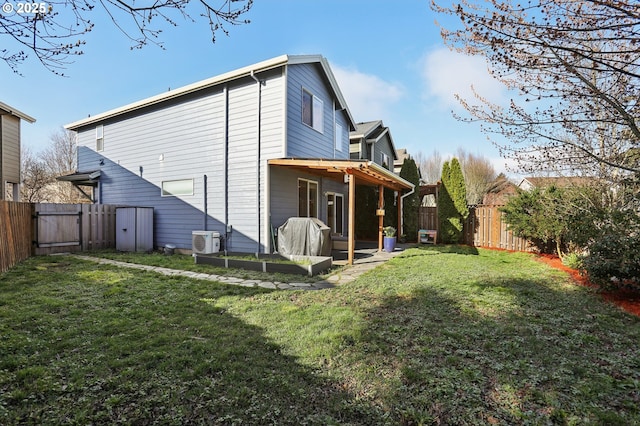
[(362, 172)]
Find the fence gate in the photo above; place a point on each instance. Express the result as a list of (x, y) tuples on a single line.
[(72, 227)]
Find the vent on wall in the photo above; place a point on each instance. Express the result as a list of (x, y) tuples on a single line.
[(205, 242)]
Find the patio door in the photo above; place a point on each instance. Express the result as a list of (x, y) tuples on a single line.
[(307, 198), (335, 212)]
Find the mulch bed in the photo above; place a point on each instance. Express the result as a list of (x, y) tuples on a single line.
[(625, 299)]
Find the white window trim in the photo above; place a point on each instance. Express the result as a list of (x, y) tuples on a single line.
[(317, 120), (339, 137), (164, 193), (336, 195), (384, 158), (308, 198), (99, 138)]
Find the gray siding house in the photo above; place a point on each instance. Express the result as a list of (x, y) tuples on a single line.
[(372, 140), (10, 151), (202, 155)]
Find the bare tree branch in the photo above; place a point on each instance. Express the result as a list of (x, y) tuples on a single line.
[(575, 66), (53, 31)]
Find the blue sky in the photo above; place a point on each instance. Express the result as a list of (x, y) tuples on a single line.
[(388, 58)]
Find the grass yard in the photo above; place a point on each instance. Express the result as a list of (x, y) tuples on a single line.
[(438, 335)]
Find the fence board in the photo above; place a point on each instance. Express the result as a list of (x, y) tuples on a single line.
[(428, 218), (485, 227), (73, 227), (15, 233)]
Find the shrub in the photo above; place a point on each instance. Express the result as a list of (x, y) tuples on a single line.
[(573, 261), (411, 207), (452, 204), (614, 258)]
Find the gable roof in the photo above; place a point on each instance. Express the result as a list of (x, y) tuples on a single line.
[(558, 181), (8, 109), (365, 130), (372, 132), (250, 70)]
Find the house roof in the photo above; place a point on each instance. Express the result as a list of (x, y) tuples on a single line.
[(558, 181), (7, 109), (250, 70), (372, 132), (365, 170), (365, 129)]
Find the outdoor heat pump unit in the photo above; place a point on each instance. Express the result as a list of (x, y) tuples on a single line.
[(205, 242)]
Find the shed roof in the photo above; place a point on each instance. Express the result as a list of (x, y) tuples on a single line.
[(363, 170), (276, 62)]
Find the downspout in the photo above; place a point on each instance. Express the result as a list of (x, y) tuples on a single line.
[(258, 158), (204, 207), (402, 197), (227, 234)]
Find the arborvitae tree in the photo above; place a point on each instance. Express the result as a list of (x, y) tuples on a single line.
[(390, 208), (458, 188), (367, 221), (452, 204), (410, 212)]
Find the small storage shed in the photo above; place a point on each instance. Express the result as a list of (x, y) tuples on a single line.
[(134, 229)]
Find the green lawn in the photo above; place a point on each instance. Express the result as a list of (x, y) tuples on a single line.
[(438, 335)]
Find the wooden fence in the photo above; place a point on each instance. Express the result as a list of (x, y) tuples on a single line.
[(485, 227), (73, 227), (428, 218), (15, 233)]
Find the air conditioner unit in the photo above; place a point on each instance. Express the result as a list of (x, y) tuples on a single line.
[(205, 242)]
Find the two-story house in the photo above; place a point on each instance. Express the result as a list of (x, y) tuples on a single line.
[(10, 151), (372, 140), (238, 153)]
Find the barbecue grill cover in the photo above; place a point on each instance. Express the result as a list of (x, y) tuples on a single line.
[(305, 236)]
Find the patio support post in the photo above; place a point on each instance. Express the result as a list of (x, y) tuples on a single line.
[(380, 217), (399, 216), (352, 218)]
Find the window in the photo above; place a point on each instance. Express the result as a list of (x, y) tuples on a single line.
[(307, 198), (339, 137), (171, 188), (312, 111), (100, 138), (385, 161), (335, 212)]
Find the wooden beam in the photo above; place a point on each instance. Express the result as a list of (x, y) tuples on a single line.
[(352, 218), (380, 218), (399, 205)]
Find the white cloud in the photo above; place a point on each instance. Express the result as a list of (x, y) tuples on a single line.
[(447, 73), (368, 96)]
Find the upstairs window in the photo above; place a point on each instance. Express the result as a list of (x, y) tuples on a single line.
[(385, 161), (339, 137), (100, 138), (312, 111)]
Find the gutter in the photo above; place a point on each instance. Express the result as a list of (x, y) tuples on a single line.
[(402, 197)]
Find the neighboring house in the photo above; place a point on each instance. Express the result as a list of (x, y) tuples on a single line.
[(238, 153), (499, 194), (10, 151), (401, 156), (372, 141), (529, 183)]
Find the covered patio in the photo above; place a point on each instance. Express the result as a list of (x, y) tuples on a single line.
[(354, 172)]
